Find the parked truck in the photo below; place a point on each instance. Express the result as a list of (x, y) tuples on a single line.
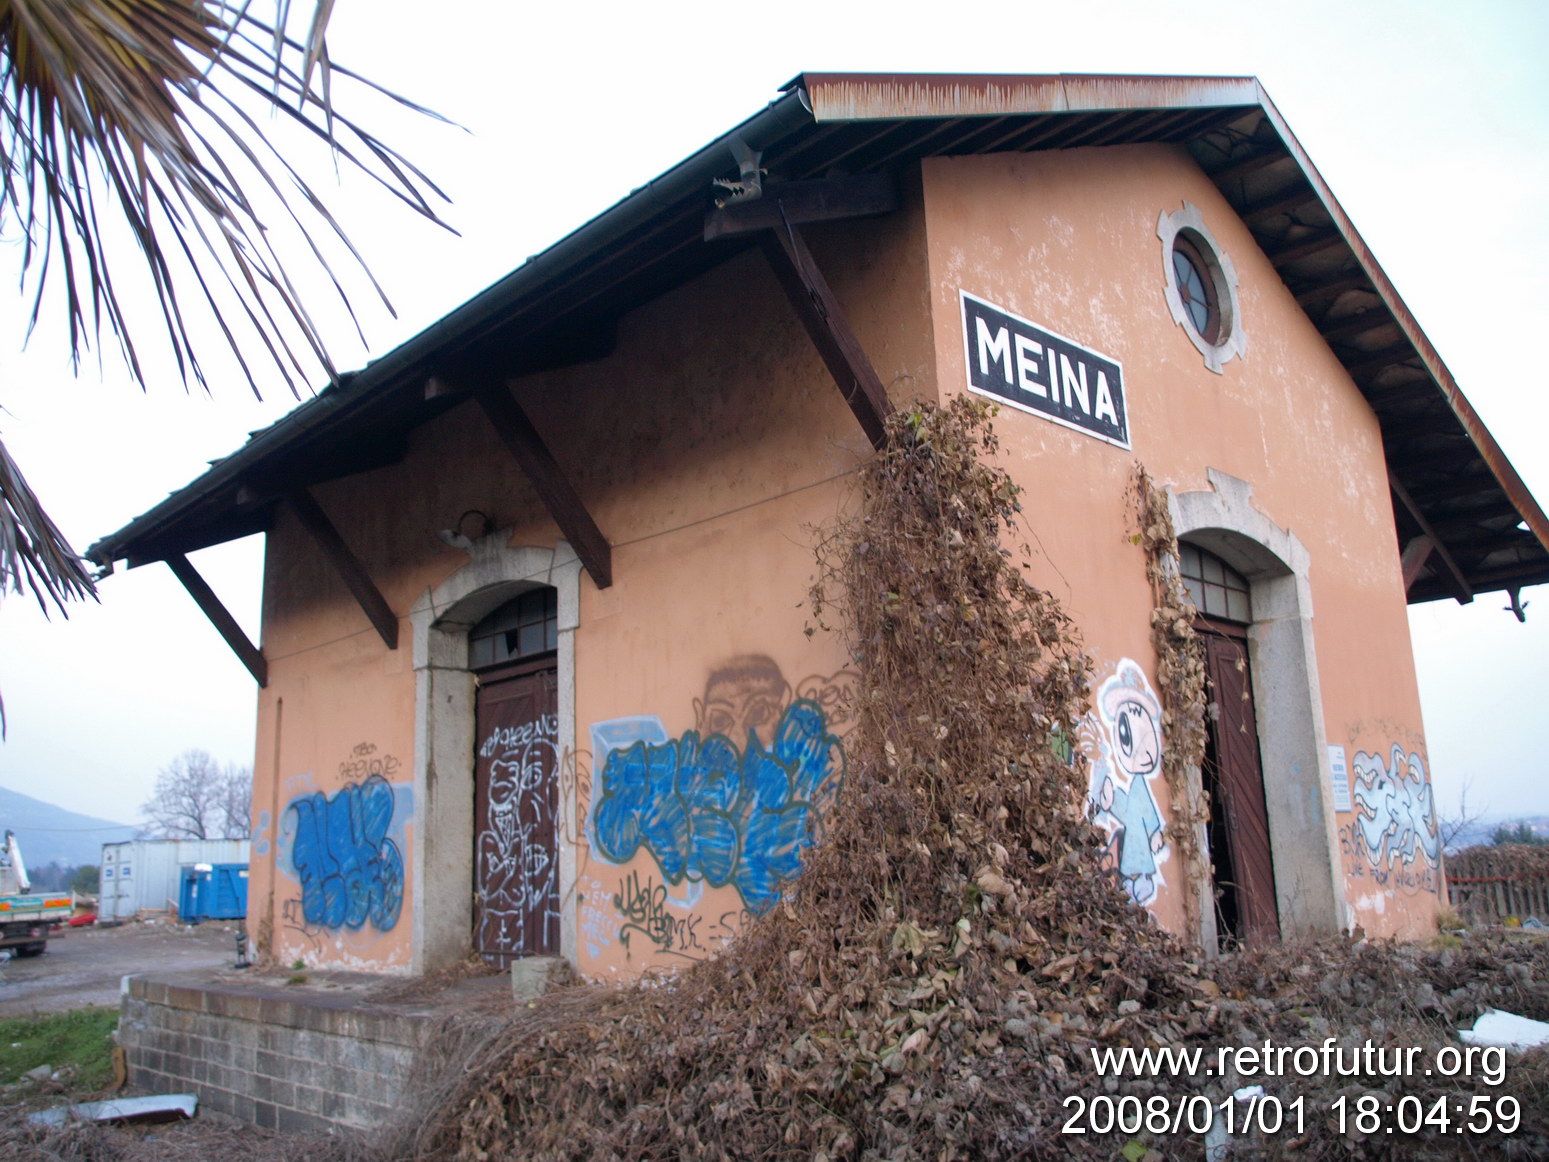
[(27, 920)]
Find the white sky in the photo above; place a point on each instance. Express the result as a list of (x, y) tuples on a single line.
[(1429, 120)]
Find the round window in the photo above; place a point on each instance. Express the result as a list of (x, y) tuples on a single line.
[(1197, 288), (1201, 287)]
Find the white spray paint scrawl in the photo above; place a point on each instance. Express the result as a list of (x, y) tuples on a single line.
[(1125, 748)]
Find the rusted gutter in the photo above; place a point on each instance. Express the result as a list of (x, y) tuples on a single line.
[(901, 96)]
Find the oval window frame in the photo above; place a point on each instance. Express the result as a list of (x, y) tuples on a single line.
[(1223, 338)]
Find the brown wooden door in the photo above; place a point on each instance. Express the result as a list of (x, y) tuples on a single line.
[(1239, 824), (516, 860)]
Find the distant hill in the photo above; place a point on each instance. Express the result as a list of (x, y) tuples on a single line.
[(50, 834)]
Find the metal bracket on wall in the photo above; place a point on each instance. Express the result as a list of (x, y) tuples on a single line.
[(220, 617), (346, 563)]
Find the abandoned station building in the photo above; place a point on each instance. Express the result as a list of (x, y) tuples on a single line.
[(533, 676)]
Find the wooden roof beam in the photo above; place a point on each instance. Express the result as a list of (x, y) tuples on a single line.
[(1414, 557), (345, 563), (1374, 362), (829, 329), (1444, 564), (832, 199), (1332, 288), (553, 487), (220, 617), (1343, 330), (1258, 212), (1306, 248), (1249, 165)]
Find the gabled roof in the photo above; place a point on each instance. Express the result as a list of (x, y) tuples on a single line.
[(1451, 481)]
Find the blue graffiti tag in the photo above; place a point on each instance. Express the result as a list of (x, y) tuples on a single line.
[(709, 812), (350, 872)]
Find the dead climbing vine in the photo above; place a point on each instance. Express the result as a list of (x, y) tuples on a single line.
[(1180, 679), (933, 985)]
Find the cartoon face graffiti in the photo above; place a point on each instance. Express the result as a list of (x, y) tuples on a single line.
[(1129, 756), (745, 694), (1135, 729)]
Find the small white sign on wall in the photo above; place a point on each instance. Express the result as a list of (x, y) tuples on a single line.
[(1340, 778)]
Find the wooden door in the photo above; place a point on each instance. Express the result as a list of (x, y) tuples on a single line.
[(1239, 823), (516, 859)]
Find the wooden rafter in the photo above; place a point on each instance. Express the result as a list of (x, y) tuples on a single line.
[(1442, 560), (1416, 553), (829, 329), (345, 563), (522, 440), (220, 617), (831, 199)]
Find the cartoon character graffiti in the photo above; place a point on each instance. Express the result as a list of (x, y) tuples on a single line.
[(1395, 813), (1128, 757)]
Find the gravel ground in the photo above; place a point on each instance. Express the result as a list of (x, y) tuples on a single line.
[(87, 965)]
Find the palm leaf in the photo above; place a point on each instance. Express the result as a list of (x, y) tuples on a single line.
[(132, 111)]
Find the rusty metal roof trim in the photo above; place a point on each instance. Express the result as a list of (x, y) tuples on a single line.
[(1493, 455), (905, 96)]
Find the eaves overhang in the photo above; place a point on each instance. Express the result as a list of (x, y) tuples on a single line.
[(1454, 479)]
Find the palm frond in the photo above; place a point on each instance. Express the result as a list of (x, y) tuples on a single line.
[(133, 104), (34, 555), (132, 112)]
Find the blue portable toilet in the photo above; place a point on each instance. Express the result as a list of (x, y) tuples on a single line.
[(213, 892)]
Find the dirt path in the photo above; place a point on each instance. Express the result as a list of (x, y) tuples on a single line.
[(87, 966)]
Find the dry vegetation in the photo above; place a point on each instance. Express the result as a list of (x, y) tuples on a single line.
[(933, 985)]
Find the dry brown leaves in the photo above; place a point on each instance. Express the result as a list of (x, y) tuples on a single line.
[(935, 982), (1180, 679)]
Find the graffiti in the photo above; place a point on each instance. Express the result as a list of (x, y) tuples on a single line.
[(710, 812), (518, 873), (1394, 833), (350, 871), (261, 833), (643, 905), (365, 762), (1125, 748)]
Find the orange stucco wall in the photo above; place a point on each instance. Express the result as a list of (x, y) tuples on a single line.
[(711, 444), (1068, 240), (706, 448)]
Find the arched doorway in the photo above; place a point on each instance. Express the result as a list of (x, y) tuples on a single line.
[(1241, 861), (1280, 662), (512, 653), (449, 677)]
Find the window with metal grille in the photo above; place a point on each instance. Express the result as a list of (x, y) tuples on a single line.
[(521, 628), (1216, 588)]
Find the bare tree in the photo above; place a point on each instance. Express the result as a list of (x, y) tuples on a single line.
[(1458, 825), (197, 798)]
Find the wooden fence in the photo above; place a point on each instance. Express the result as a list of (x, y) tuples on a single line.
[(1490, 885)]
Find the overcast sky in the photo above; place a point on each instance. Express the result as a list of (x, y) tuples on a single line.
[(1430, 121)]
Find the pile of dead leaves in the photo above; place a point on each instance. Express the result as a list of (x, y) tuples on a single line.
[(935, 983)]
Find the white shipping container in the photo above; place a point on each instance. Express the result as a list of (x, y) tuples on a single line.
[(145, 875)]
